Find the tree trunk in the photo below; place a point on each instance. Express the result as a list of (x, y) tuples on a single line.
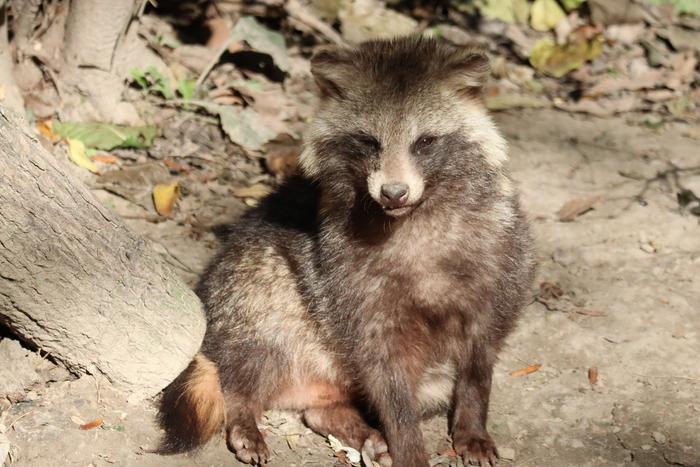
[(75, 282)]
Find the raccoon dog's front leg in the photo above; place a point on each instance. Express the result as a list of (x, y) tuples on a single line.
[(390, 391), (472, 391), (249, 372), (243, 437)]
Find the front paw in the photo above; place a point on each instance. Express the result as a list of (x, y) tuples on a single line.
[(376, 450), (248, 445), (476, 449)]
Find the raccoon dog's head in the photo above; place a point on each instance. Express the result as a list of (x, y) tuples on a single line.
[(398, 121)]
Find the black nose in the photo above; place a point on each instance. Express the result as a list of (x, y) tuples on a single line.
[(394, 195)]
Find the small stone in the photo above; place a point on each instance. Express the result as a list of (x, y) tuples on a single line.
[(646, 447), (659, 437), (506, 453), (577, 443), (648, 247), (616, 429)]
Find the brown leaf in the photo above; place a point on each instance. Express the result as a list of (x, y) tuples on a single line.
[(683, 69), (609, 85), (220, 30), (550, 290), (575, 207), (593, 375), (90, 425), (105, 158), (526, 371), (44, 127), (172, 165), (448, 452), (256, 191), (599, 107), (282, 159)]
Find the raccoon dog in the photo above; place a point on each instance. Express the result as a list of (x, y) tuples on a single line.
[(376, 289)]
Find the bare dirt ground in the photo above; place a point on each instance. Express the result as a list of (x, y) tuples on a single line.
[(615, 326)]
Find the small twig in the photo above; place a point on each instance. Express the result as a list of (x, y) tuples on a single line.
[(142, 8), (97, 387), (302, 14), (210, 66), (661, 176)]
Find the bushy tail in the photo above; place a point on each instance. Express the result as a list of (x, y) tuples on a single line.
[(192, 407)]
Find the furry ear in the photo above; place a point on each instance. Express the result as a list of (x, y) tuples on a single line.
[(469, 71), (331, 67)]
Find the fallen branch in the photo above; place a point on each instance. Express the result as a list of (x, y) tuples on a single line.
[(301, 13)]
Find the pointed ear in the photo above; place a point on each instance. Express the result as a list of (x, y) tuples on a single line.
[(469, 71), (331, 67)]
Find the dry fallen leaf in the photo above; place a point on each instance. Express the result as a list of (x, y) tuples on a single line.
[(682, 70), (77, 420), (172, 165), (90, 425), (78, 154), (557, 60), (526, 371), (575, 207), (609, 85), (448, 452), (105, 158), (593, 375), (351, 454), (256, 191), (165, 197), (44, 128), (599, 107), (545, 14), (550, 290)]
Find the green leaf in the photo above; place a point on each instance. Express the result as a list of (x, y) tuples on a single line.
[(545, 14), (186, 88), (106, 136), (140, 78), (558, 60), (262, 39), (151, 80)]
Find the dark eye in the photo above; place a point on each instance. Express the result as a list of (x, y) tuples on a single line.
[(424, 142), (367, 142)]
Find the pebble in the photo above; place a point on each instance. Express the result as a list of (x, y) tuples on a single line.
[(646, 447), (577, 443), (659, 437), (506, 453)]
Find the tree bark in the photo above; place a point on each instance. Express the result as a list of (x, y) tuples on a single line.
[(75, 282), (94, 28)]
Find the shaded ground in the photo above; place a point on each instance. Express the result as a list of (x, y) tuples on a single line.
[(621, 295)]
